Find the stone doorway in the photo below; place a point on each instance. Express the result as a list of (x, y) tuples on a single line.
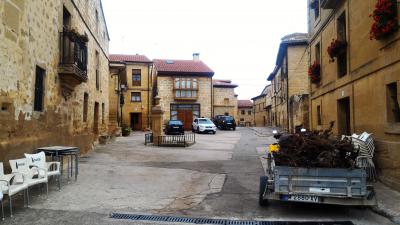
[(344, 116), (136, 121), (96, 118)]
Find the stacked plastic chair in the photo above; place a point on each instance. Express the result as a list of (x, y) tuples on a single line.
[(365, 145)]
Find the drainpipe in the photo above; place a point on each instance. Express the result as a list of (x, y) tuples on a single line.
[(149, 67)]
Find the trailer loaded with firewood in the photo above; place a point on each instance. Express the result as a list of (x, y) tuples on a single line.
[(313, 167)]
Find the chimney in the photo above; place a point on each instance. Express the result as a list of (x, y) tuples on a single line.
[(196, 57)]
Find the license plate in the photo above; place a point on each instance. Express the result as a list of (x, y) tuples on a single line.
[(229, 123), (175, 127), (301, 198)]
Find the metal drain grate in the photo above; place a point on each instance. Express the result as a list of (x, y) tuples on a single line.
[(179, 219)]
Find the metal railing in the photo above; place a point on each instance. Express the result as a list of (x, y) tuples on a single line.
[(148, 138), (176, 140)]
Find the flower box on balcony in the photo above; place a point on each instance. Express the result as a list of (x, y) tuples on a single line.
[(314, 72), (385, 19), (336, 48)]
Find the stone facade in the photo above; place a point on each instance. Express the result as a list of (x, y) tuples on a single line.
[(290, 85), (360, 94), (30, 34), (262, 108), (165, 89), (245, 113), (136, 78), (224, 98)]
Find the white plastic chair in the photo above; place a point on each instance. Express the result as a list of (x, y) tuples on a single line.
[(39, 160), (32, 175), (11, 188)]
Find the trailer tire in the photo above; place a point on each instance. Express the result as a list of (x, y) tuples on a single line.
[(263, 186)]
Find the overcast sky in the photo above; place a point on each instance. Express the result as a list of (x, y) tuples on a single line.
[(237, 39)]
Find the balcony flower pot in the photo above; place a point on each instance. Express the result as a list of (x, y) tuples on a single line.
[(314, 72), (336, 48), (126, 131), (385, 19)]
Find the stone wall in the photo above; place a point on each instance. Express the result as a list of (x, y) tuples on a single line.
[(29, 37), (221, 105), (371, 66), (260, 113)]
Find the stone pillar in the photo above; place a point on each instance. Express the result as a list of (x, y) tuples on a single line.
[(157, 120)]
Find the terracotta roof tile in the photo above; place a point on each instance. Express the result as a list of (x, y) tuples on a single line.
[(245, 103), (129, 58), (181, 66), (224, 83)]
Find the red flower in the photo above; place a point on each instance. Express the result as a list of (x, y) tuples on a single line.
[(336, 48), (314, 72), (385, 19)]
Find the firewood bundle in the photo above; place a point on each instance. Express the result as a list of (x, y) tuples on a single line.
[(315, 149)]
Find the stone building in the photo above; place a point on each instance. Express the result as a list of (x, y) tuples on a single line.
[(245, 113), (359, 88), (54, 75), (290, 85), (225, 100), (130, 79), (261, 104), (185, 89)]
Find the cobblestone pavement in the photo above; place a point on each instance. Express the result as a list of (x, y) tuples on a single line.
[(216, 177)]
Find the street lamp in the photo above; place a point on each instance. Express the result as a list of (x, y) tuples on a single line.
[(121, 101)]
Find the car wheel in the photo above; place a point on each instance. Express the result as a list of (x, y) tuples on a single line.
[(263, 186), (234, 128), (198, 131), (214, 132), (192, 129)]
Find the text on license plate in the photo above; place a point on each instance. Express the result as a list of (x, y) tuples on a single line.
[(301, 198), (175, 127)]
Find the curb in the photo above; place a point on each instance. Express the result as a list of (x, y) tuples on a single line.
[(384, 213)]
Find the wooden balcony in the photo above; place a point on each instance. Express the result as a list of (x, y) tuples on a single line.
[(329, 4), (72, 67)]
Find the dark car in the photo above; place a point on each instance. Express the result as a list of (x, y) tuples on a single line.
[(226, 123), (217, 118), (174, 127)]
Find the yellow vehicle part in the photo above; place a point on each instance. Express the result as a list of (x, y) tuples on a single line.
[(273, 148)]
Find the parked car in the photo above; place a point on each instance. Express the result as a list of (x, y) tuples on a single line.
[(203, 125), (217, 118), (174, 127), (226, 123)]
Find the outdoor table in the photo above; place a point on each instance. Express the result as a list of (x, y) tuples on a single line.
[(59, 151)]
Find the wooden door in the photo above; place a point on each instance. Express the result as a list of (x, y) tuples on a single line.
[(344, 116), (136, 121), (96, 118), (186, 116)]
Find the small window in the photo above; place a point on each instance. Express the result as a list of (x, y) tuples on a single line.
[(85, 106), (319, 120), (97, 20), (39, 89), (226, 101), (136, 77), (249, 112), (242, 112), (393, 108), (136, 97), (241, 119), (66, 19)]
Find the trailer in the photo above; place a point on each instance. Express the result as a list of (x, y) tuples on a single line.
[(337, 186)]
